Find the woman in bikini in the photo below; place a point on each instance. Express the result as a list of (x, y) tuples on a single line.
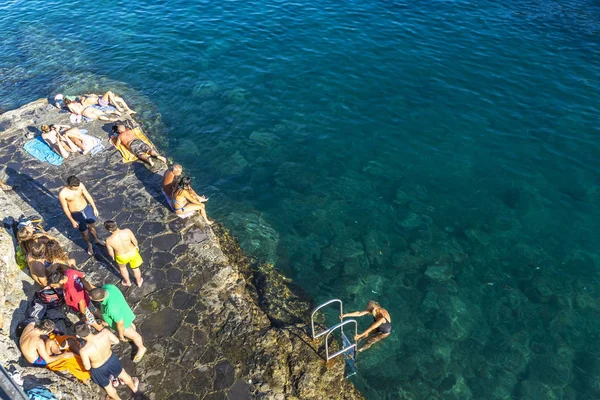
[(63, 139), (380, 328), (108, 98), (57, 256), (185, 200), (89, 112)]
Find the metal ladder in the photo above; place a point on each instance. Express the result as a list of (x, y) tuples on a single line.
[(348, 346)]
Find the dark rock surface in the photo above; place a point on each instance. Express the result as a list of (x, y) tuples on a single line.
[(217, 324)]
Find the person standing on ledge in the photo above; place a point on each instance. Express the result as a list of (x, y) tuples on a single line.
[(81, 210), (119, 316), (123, 248), (380, 328), (98, 358)]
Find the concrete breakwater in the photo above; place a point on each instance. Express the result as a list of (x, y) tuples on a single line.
[(217, 324)]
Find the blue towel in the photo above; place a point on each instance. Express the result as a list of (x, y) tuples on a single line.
[(40, 150)]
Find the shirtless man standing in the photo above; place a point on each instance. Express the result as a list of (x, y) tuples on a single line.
[(33, 343), (135, 145), (81, 210), (123, 248), (98, 358)]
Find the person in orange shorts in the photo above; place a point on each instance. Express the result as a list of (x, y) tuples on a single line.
[(123, 248)]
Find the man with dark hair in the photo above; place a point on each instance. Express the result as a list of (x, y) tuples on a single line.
[(74, 286), (98, 358), (33, 343), (117, 313), (78, 205), (122, 246), (135, 145), (42, 348)]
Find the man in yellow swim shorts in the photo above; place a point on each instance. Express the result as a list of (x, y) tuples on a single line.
[(123, 248)]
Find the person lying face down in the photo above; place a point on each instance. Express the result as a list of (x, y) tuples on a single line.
[(135, 145)]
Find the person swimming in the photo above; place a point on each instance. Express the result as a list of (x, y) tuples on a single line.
[(379, 329)]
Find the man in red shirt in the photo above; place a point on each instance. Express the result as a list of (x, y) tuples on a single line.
[(75, 288)]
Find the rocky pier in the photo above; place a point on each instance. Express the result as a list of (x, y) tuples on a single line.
[(217, 324)]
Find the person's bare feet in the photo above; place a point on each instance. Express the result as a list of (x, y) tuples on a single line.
[(150, 162), (131, 112), (140, 354), (90, 250), (136, 384), (125, 283), (5, 187), (163, 159), (140, 282), (210, 222)]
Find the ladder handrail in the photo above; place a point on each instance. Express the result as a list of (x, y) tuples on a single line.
[(312, 317), (344, 349)]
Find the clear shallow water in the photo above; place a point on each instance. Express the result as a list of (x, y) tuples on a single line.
[(441, 157)]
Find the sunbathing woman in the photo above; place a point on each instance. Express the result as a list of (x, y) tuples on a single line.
[(63, 139), (109, 98), (90, 112), (57, 256), (185, 200)]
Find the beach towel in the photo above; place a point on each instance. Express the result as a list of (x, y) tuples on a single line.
[(92, 144), (40, 150), (170, 202), (125, 153), (72, 364), (40, 393)]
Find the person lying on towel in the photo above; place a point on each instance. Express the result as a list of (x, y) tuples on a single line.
[(131, 142), (90, 112), (63, 139), (108, 98)]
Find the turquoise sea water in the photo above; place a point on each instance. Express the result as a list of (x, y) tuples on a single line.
[(441, 157)]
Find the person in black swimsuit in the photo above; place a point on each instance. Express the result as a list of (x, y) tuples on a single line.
[(379, 329)]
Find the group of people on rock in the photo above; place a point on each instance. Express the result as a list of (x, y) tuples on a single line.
[(92, 106), (52, 268), (88, 354)]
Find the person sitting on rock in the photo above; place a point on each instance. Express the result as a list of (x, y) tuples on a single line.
[(170, 180), (27, 236), (379, 329), (122, 246), (55, 254), (108, 98), (63, 139), (97, 357), (33, 343), (75, 287), (117, 313), (135, 145), (37, 262), (42, 348), (90, 112), (185, 200)]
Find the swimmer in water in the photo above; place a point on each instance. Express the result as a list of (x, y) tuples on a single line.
[(379, 329)]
